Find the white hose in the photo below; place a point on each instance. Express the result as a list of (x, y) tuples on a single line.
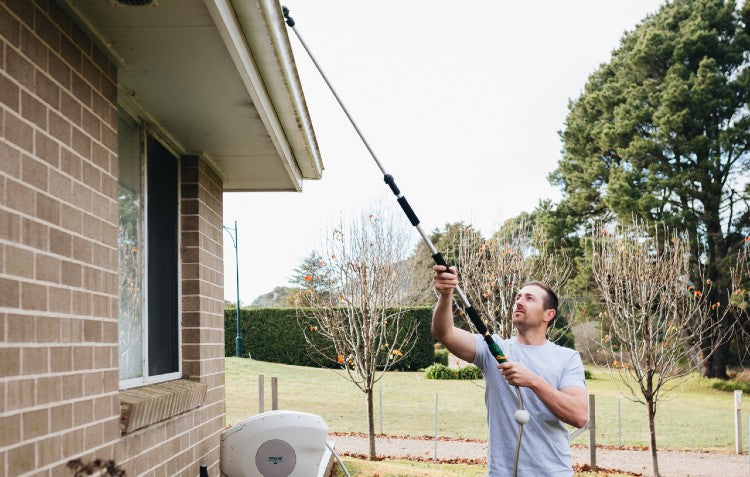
[(338, 459)]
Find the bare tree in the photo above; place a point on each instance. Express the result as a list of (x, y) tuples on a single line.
[(353, 317), (493, 271), (740, 302), (656, 316)]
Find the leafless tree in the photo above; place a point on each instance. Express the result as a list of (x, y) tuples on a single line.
[(740, 302), (493, 270), (355, 319), (656, 316)]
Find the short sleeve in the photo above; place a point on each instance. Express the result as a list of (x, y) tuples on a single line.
[(573, 374)]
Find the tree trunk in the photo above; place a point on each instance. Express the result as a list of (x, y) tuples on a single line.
[(370, 424), (719, 359), (652, 432)]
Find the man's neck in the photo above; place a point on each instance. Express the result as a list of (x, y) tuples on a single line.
[(532, 337)]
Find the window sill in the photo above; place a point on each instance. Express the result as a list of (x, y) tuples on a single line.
[(147, 405)]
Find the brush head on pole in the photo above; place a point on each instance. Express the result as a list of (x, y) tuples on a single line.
[(289, 20)]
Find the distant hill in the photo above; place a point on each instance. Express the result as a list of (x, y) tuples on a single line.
[(275, 298)]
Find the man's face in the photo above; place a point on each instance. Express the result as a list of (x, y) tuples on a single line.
[(528, 309)]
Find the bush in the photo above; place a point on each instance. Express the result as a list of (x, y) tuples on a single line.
[(588, 374), (441, 356), (440, 371), (730, 385), (275, 335)]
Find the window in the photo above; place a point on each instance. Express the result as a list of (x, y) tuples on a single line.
[(148, 197)]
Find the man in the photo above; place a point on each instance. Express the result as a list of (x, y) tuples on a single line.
[(550, 377)]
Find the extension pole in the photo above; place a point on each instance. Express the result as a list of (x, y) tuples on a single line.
[(521, 416)]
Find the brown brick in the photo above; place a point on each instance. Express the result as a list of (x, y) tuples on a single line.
[(83, 412), (47, 149), (61, 359), (81, 89), (82, 358), (9, 93), (19, 262), (10, 158), (70, 217), (60, 186), (59, 127), (61, 417), (35, 423), (73, 442), (49, 450), (34, 172), (47, 208), (72, 386), (20, 197), (33, 110), (9, 293), (59, 71), (59, 301), (33, 48), (109, 138), (10, 430), (19, 133), (47, 268), (9, 28), (46, 30), (92, 331), (91, 73), (49, 389), (47, 329), (82, 249), (21, 459), (20, 394), (80, 142), (46, 89), (93, 436), (10, 363), (34, 234), (71, 273), (19, 67), (93, 383), (91, 176), (70, 164), (33, 296), (34, 360)]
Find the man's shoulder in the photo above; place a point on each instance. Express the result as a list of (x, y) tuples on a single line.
[(562, 351)]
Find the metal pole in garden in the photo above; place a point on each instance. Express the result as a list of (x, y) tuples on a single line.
[(235, 242), (434, 456), (619, 422), (738, 421), (381, 409)]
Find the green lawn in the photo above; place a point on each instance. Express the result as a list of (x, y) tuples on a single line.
[(695, 416)]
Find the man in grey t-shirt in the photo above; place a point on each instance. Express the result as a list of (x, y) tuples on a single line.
[(550, 377)]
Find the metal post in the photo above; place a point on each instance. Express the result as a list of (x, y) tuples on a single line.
[(619, 423), (381, 410), (274, 393), (260, 394), (434, 456), (237, 272), (592, 431), (236, 243), (738, 421)]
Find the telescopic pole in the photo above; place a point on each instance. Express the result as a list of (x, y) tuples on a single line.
[(521, 416)]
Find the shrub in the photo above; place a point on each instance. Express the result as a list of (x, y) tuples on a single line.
[(441, 356), (275, 335), (440, 371), (730, 385), (588, 374)]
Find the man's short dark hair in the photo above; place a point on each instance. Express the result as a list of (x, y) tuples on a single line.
[(550, 301)]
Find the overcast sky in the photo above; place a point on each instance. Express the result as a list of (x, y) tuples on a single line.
[(461, 101)]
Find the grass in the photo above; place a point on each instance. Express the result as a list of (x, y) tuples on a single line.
[(696, 415)]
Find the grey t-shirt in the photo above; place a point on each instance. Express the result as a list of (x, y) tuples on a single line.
[(545, 447)]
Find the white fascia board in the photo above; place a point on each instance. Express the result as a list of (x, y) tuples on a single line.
[(231, 32), (305, 144)]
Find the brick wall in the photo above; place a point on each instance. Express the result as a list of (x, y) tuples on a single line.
[(58, 232), (59, 388)]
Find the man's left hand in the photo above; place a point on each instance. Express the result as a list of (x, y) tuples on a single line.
[(516, 374)]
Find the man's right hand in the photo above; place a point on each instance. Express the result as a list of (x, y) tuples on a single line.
[(446, 280)]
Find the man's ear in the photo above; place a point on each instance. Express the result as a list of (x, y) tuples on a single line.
[(549, 315)]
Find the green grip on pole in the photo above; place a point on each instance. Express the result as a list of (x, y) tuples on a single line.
[(498, 353)]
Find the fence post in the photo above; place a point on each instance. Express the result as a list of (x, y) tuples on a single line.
[(381, 409), (738, 421), (592, 431), (260, 394), (274, 393), (434, 457)]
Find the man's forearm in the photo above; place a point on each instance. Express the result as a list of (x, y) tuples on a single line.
[(442, 317), (566, 407)]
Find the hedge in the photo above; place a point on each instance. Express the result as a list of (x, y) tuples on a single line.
[(275, 335)]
